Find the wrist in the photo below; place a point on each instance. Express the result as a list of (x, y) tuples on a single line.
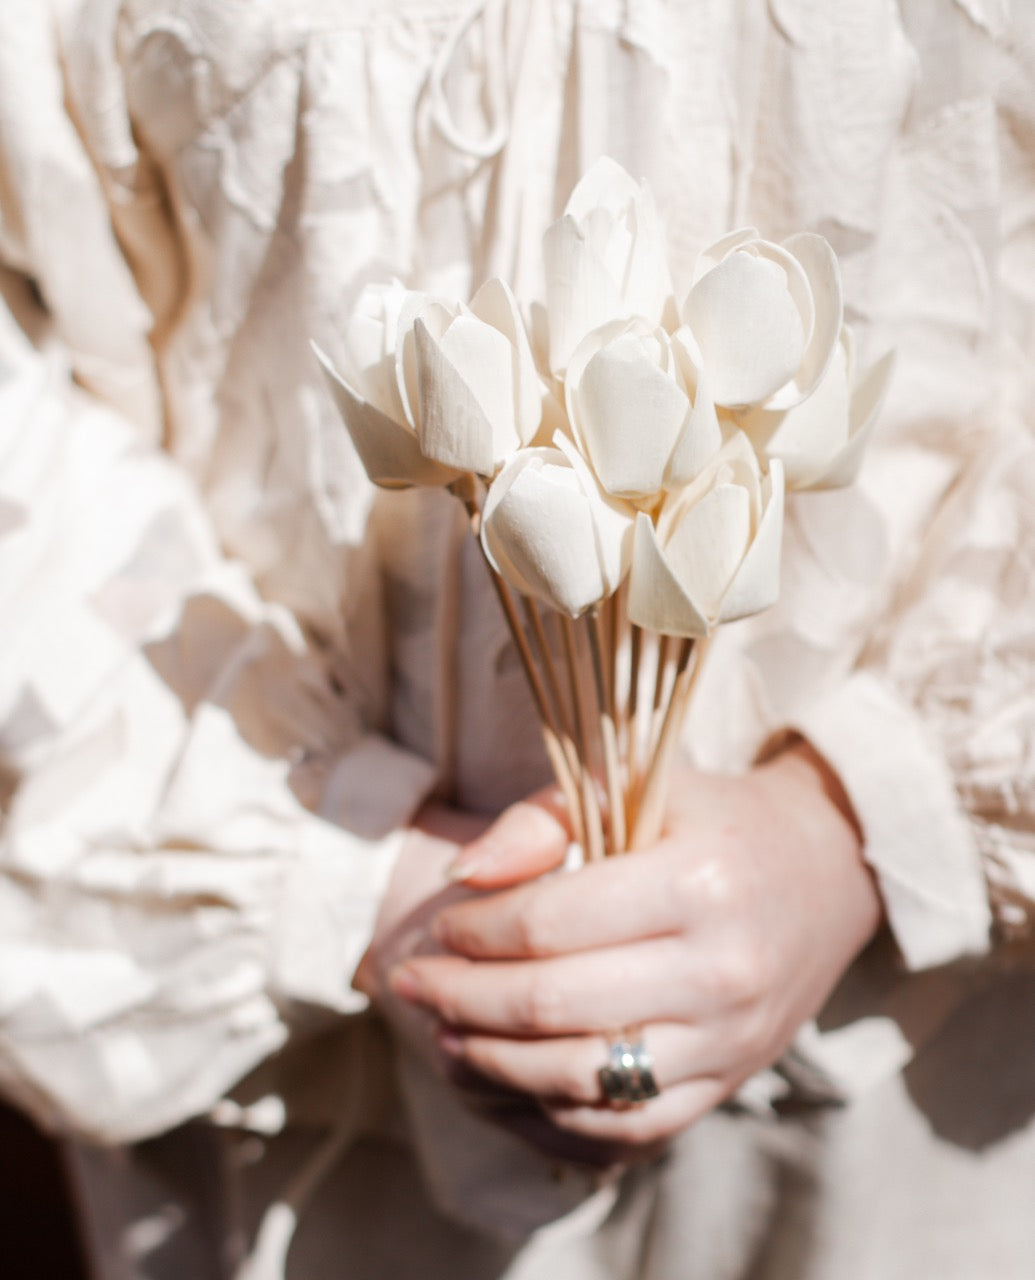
[(800, 765), (813, 807)]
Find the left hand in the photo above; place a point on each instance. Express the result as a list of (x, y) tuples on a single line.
[(719, 941)]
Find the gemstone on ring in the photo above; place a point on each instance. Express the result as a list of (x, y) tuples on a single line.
[(628, 1075)]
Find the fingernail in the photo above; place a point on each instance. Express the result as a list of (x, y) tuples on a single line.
[(404, 983), (460, 871), (469, 862), (450, 1043)]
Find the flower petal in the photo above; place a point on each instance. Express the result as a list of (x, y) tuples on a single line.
[(647, 287), (612, 518), (370, 338), (657, 600), (708, 259), (748, 326), (541, 531), (706, 546), (824, 278), (604, 185), (581, 294), (867, 399), (629, 416), (466, 404), (807, 437), (756, 584), (496, 305), (701, 438), (388, 450), (605, 259)]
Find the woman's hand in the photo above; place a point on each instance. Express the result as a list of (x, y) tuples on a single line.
[(418, 889), (720, 941)]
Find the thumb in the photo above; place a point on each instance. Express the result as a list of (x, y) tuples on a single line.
[(526, 840)]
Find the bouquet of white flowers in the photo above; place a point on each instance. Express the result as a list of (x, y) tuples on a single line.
[(626, 469)]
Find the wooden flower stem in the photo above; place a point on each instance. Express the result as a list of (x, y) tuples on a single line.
[(631, 719), (594, 846), (647, 826), (560, 717), (465, 489), (535, 623), (661, 673), (608, 732)]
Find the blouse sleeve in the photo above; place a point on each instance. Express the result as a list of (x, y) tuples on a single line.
[(198, 813), (903, 645), (934, 733), (933, 727), (196, 825)]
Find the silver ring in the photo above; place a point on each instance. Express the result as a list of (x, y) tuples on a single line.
[(628, 1075)]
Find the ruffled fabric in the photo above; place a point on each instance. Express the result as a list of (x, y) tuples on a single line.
[(222, 701), (197, 830)]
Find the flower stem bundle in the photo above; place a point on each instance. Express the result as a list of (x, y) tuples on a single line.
[(625, 474)]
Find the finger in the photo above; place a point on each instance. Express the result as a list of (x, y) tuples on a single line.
[(526, 840), (588, 991), (522, 1116), (566, 1068), (647, 1122), (603, 904)]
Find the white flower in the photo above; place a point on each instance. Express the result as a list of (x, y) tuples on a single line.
[(639, 408), (820, 441), (604, 259), (480, 394), (552, 534), (767, 317), (436, 388), (378, 397), (715, 553)]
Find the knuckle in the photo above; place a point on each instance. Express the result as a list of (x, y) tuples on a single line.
[(486, 1056), (536, 926), (745, 1039), (718, 887), (757, 1040), (448, 1007), (741, 973), (454, 933), (704, 889), (685, 890), (574, 1082), (542, 1006)]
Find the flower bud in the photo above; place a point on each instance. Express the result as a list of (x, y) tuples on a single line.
[(605, 260), (767, 317), (377, 396), (640, 409), (551, 533), (820, 441), (480, 394), (714, 554)]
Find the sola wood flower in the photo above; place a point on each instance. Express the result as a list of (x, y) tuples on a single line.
[(820, 442), (714, 554), (550, 533), (767, 317), (605, 260), (437, 388), (378, 399), (658, 513), (480, 394), (640, 409)]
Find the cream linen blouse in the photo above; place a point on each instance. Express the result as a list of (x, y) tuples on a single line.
[(230, 672)]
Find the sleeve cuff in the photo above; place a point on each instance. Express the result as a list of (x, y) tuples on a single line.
[(332, 893), (917, 839)]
